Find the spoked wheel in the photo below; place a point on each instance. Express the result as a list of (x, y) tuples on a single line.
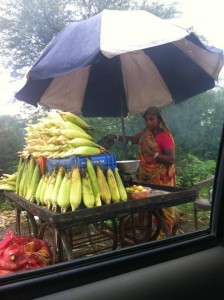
[(136, 228)]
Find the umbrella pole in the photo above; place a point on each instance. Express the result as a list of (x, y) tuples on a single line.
[(123, 133)]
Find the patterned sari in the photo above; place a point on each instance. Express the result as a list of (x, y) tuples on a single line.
[(151, 171)]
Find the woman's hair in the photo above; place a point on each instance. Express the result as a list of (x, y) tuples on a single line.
[(153, 110)]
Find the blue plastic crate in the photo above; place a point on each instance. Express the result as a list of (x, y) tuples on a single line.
[(104, 160)]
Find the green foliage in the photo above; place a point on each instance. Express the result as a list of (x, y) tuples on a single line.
[(190, 169), (4, 204), (11, 141), (196, 124)]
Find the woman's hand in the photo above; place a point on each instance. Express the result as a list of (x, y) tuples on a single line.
[(120, 138), (110, 137), (148, 150)]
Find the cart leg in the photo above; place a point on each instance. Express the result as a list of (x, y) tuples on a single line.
[(18, 220), (115, 229), (66, 243), (53, 238), (162, 223), (33, 225)]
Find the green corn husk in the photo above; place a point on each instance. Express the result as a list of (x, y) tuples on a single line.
[(77, 142), (49, 190), (76, 188), (34, 184), (67, 116), (115, 195), (71, 134), (94, 182), (30, 171), (120, 185), (10, 177), (87, 192), (60, 176), (63, 199), (8, 187), (83, 150), (37, 195), (22, 184), (43, 188), (104, 188)]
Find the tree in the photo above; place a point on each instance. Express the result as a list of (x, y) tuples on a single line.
[(197, 124), (11, 141), (27, 26)]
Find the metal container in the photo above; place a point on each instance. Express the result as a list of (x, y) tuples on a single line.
[(127, 166)]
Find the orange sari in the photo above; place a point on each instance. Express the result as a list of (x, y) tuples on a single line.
[(151, 171)]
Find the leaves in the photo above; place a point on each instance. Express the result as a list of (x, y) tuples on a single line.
[(27, 26)]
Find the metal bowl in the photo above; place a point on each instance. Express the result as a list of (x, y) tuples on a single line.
[(128, 166)]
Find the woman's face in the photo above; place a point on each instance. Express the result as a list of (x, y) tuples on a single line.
[(151, 121)]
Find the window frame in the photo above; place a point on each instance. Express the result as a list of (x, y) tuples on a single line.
[(76, 273)]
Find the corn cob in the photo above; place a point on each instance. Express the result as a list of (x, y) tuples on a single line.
[(77, 142), (30, 171), (87, 192), (46, 188), (94, 182), (59, 178), (6, 181), (63, 199), (23, 179), (82, 150), (34, 184), (103, 185), (67, 116), (61, 139), (25, 187), (20, 172), (76, 188), (43, 188), (8, 187), (121, 188), (71, 134), (53, 115), (37, 195), (10, 177), (70, 125), (49, 190), (115, 196)]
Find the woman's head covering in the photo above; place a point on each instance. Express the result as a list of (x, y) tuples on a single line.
[(153, 110)]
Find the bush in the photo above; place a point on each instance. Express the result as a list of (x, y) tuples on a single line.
[(191, 169)]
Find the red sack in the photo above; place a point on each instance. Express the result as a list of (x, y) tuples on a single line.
[(20, 253)]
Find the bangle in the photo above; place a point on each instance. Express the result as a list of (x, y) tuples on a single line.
[(117, 138), (155, 155)]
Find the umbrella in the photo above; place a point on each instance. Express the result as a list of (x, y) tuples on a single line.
[(120, 62)]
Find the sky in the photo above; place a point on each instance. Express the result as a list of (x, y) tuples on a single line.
[(206, 18)]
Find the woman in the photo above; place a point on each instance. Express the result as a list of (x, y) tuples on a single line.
[(156, 153)]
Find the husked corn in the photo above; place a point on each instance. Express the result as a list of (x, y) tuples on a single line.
[(115, 196), (120, 185), (94, 182), (76, 188), (103, 185)]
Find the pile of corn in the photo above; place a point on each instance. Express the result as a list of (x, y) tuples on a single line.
[(64, 190), (8, 182), (59, 135)]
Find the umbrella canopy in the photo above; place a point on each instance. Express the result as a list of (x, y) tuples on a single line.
[(120, 61)]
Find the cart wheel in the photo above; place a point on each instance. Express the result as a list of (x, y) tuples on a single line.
[(136, 228)]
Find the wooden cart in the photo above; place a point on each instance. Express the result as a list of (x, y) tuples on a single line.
[(62, 225)]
